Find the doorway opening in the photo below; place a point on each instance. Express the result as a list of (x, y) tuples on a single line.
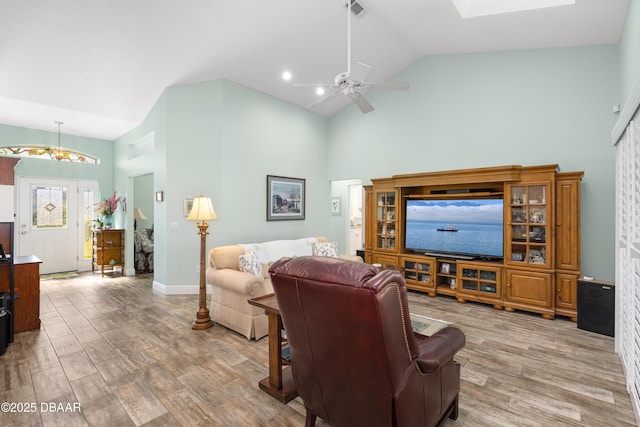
[(143, 210), (355, 218)]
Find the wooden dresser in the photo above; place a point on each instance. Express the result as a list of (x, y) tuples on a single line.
[(108, 250)]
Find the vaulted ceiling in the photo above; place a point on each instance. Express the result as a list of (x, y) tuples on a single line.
[(100, 65)]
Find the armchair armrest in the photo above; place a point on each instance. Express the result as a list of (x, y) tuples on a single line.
[(439, 349), (236, 281)]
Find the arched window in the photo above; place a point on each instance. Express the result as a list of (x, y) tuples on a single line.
[(50, 153)]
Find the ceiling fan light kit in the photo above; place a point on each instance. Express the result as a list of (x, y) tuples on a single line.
[(351, 83)]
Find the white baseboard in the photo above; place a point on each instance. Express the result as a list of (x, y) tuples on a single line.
[(129, 271), (178, 290)]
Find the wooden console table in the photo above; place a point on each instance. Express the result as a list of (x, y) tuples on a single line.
[(279, 383)]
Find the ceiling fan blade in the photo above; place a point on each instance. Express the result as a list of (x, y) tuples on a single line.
[(324, 85), (325, 99), (359, 71), (362, 103), (387, 86)]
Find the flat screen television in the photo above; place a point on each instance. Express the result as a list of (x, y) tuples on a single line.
[(465, 227)]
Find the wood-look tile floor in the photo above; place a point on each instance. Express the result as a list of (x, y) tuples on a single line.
[(127, 356)]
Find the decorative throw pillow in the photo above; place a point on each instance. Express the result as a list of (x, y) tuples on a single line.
[(265, 270), (329, 249), (249, 263)]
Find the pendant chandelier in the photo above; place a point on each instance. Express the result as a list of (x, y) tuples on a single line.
[(58, 153)]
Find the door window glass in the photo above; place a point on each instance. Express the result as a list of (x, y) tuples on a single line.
[(88, 215), (49, 206)]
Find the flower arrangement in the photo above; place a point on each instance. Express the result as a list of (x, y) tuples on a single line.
[(108, 206)]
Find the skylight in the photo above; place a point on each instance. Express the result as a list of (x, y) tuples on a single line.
[(475, 8)]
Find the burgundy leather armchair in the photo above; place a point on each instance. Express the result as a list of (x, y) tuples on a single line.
[(355, 358)]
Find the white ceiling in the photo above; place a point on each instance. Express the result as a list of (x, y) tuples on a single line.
[(100, 65)]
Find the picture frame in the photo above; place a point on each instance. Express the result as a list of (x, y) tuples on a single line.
[(336, 206), (285, 198), (444, 268), (187, 205)]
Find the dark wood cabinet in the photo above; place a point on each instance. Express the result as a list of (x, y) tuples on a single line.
[(19, 275), (26, 303)]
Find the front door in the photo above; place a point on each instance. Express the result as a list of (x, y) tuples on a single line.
[(48, 224)]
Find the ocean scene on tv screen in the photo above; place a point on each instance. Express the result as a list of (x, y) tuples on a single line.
[(458, 226)]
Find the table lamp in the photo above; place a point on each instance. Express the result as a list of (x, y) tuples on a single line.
[(137, 214), (201, 211)]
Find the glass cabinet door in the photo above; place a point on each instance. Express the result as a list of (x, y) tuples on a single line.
[(527, 231), (480, 279), (386, 220), (418, 271)]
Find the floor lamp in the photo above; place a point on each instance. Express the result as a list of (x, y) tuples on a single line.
[(201, 211)]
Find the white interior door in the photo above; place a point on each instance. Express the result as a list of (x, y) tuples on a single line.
[(47, 223)]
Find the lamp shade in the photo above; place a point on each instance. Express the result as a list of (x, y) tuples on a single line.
[(137, 214), (202, 209)]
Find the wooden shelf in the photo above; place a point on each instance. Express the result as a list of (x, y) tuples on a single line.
[(446, 290)]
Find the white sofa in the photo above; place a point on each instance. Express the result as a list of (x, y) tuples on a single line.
[(232, 287)]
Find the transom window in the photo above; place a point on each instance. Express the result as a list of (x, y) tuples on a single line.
[(49, 153)]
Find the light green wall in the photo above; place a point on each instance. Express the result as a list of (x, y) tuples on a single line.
[(103, 172), (264, 136), (521, 107), (220, 139), (630, 51), (153, 160), (194, 119)]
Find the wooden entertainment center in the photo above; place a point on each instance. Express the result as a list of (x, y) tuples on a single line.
[(540, 266)]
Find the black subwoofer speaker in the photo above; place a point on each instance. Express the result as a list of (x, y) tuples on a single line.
[(596, 306)]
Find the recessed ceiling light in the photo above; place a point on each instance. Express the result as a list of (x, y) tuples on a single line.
[(474, 8), (320, 91), (286, 76)]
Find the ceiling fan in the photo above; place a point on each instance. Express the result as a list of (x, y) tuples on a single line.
[(351, 83)]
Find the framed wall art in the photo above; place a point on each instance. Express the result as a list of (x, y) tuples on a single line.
[(285, 198), (188, 204), (336, 206)]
